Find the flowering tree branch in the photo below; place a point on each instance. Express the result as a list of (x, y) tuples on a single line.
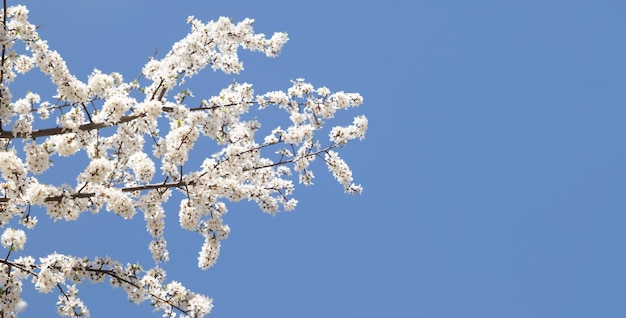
[(113, 121)]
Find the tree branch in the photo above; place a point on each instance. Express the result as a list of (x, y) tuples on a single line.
[(109, 272)]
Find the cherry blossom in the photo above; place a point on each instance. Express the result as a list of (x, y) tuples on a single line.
[(140, 137)]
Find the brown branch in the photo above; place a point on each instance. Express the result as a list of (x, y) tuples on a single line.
[(185, 184), (44, 132), (60, 130), (156, 186), (4, 26), (109, 272), (58, 198), (112, 274)]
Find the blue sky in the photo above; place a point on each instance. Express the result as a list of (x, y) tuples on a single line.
[(493, 169)]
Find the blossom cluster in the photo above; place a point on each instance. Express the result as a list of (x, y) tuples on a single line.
[(62, 272), (123, 121)]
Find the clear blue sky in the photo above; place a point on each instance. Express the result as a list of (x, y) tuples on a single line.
[(494, 168)]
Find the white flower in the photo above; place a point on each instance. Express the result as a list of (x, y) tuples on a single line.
[(29, 222), (142, 166), (341, 172), (158, 248), (188, 215), (120, 203), (341, 135), (69, 305), (24, 64), (12, 166), (97, 171), (115, 107), (37, 158), (103, 118), (37, 192), (66, 144), (13, 239), (200, 305), (100, 84), (22, 106), (209, 253), (44, 110), (23, 125)]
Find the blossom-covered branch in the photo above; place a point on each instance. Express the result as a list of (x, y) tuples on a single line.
[(114, 122)]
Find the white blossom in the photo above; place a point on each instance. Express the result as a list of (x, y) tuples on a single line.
[(24, 64), (13, 239), (112, 122), (12, 166), (341, 171), (99, 84), (142, 166), (120, 203), (209, 253), (65, 145), (70, 305), (37, 157), (97, 171), (341, 135), (158, 248)]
